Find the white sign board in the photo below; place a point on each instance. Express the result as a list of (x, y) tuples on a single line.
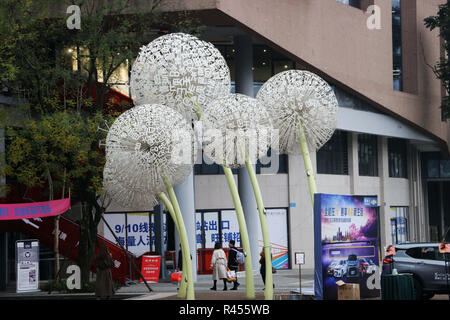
[(137, 234), (278, 234), (27, 266), (299, 258)]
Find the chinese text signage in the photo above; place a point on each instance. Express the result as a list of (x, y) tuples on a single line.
[(345, 243)]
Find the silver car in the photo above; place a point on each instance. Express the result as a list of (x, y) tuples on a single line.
[(340, 269), (428, 266)]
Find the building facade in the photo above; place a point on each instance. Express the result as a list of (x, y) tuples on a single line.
[(390, 129), (391, 139)]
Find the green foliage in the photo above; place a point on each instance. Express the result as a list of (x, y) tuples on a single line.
[(38, 52), (54, 69), (187, 23), (63, 144), (442, 68)]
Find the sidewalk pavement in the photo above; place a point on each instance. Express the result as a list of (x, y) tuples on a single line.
[(285, 281)]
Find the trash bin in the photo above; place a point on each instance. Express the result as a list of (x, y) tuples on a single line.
[(397, 287)]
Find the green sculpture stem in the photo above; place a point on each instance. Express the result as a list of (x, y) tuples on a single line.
[(308, 165), (184, 241), (249, 282), (168, 205), (248, 266), (268, 292)]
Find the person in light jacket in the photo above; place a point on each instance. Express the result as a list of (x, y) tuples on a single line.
[(219, 266)]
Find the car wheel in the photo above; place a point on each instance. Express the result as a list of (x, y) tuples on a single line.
[(418, 289), (427, 296)]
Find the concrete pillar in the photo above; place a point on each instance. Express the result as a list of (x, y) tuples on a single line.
[(159, 238), (243, 65), (244, 85), (185, 195), (353, 168), (383, 172)]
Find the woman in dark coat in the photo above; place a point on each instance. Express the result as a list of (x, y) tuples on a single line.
[(262, 270), (104, 286), (233, 264)]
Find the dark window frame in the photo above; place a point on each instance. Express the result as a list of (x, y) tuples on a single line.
[(368, 155), (332, 158), (397, 48), (398, 158), (215, 169)]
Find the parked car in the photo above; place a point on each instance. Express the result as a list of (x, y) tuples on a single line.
[(353, 266), (363, 265), (340, 270), (367, 266), (331, 267), (372, 268), (425, 263)]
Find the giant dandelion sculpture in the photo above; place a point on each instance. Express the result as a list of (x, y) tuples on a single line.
[(180, 71), (120, 191), (238, 132), (186, 74), (144, 157), (304, 109)]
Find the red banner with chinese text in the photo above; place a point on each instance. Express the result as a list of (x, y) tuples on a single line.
[(150, 268), (16, 211)]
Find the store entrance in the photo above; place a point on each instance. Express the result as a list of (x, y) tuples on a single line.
[(438, 209)]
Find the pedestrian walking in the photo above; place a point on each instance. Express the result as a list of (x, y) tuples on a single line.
[(233, 263), (180, 260), (262, 270), (104, 285), (219, 266)]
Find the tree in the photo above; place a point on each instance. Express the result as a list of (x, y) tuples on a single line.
[(64, 75), (61, 151), (442, 68)]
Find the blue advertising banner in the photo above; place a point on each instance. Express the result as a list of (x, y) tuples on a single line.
[(345, 243)]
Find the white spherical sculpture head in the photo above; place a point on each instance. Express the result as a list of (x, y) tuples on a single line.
[(120, 191), (148, 143), (236, 126), (180, 71), (300, 98)]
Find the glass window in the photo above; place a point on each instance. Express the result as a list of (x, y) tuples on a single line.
[(353, 3), (445, 168), (414, 253), (347, 100), (430, 253), (209, 167), (397, 45), (397, 158), (433, 166), (282, 65), (368, 155), (266, 163), (399, 224), (332, 158), (205, 168), (216, 226), (266, 62)]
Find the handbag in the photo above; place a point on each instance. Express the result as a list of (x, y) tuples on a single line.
[(176, 276), (231, 275)]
